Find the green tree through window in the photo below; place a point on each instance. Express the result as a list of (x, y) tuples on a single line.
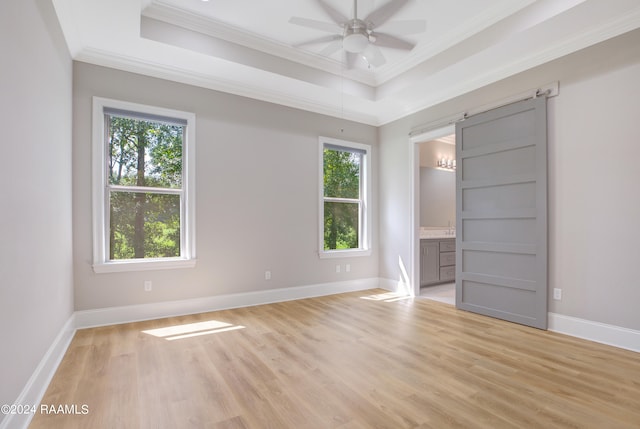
[(342, 197), (144, 187)]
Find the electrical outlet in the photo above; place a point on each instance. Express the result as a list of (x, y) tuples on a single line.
[(337, 268), (557, 294), (347, 268), (148, 285), (267, 275)]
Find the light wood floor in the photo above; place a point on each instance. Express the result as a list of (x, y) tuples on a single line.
[(345, 361)]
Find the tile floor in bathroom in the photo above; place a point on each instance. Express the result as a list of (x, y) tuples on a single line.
[(444, 293)]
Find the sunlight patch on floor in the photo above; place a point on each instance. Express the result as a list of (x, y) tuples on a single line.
[(178, 332), (387, 297)]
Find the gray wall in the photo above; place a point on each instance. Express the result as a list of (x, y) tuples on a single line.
[(593, 178), (36, 290), (432, 151), (437, 197), (437, 187), (256, 186)]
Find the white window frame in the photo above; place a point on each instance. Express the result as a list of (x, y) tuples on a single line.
[(101, 262), (365, 200)]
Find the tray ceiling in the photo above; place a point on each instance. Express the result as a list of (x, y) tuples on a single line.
[(246, 47)]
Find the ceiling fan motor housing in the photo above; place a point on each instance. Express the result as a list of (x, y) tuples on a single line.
[(356, 36)]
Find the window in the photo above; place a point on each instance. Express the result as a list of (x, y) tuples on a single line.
[(143, 170), (344, 192)]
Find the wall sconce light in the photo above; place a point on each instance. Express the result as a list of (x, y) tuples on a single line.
[(448, 164)]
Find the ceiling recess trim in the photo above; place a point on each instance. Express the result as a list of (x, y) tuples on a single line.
[(473, 26), (205, 25), (587, 23), (590, 36)]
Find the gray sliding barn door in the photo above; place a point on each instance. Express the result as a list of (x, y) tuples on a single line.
[(501, 210)]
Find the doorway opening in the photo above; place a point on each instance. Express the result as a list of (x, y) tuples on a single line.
[(433, 214)]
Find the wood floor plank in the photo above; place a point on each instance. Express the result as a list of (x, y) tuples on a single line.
[(349, 361)]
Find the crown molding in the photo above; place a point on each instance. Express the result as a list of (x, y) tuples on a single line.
[(241, 88)]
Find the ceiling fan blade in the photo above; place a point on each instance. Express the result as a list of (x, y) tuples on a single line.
[(332, 47), (403, 28), (384, 12), (374, 55), (317, 25), (385, 40), (319, 40), (337, 17)]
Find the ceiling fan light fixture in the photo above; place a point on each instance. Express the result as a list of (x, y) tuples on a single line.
[(355, 42), (359, 37)]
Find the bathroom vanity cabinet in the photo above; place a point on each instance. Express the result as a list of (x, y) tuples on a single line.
[(437, 261)]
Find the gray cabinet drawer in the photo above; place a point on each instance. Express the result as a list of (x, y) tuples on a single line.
[(448, 246), (447, 258), (447, 273)]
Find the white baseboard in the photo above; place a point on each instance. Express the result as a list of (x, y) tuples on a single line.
[(134, 313), (595, 331), (39, 381)]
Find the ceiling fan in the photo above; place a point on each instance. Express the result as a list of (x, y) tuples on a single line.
[(358, 36)]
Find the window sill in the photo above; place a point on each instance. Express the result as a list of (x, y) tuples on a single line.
[(328, 254), (143, 265)]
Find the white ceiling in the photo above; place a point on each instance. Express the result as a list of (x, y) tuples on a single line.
[(245, 47)]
